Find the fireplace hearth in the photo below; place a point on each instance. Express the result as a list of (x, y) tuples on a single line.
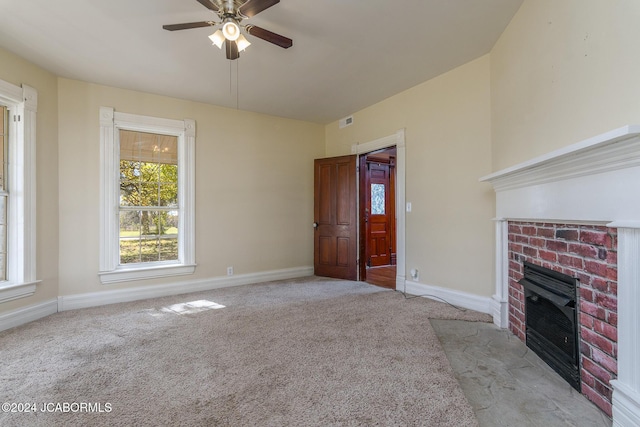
[(551, 320)]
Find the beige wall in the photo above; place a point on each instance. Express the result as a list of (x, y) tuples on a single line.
[(560, 73), (17, 71), (449, 232), (563, 71), (254, 185)]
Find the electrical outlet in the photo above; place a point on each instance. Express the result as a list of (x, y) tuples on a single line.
[(229, 271)]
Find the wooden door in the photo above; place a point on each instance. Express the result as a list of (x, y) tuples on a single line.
[(336, 217), (378, 213)]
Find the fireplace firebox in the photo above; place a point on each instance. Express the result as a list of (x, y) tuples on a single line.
[(551, 319)]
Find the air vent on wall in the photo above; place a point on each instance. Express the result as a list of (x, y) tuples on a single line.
[(347, 121)]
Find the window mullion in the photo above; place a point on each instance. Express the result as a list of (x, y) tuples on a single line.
[(149, 208)]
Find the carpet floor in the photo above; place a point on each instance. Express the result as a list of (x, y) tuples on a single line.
[(304, 352)]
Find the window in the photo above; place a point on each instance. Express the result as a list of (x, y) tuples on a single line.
[(377, 199), (4, 195), (148, 197), (147, 187), (18, 107)]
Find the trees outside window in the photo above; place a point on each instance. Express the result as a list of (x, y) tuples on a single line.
[(149, 217)]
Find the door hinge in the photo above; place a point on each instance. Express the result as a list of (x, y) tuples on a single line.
[(16, 118)]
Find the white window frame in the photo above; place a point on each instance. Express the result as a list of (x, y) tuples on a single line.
[(22, 104), (111, 271)]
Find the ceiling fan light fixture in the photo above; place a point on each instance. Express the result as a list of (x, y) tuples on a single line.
[(231, 29), (217, 38), (242, 43)]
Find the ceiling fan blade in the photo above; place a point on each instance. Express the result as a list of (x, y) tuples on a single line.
[(208, 4), (232, 49), (269, 36), (188, 25), (253, 7)]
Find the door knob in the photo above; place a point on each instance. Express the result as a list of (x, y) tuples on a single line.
[(315, 225)]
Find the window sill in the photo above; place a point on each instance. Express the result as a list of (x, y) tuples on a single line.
[(11, 291), (141, 273)]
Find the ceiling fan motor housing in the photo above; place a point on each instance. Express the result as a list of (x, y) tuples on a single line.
[(229, 8)]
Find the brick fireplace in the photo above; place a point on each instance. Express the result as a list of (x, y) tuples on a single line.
[(576, 211), (586, 252)]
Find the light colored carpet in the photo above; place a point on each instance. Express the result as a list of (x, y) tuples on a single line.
[(313, 351)]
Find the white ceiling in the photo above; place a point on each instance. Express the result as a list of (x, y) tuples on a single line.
[(347, 54)]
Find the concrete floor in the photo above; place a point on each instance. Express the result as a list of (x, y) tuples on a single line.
[(507, 383)]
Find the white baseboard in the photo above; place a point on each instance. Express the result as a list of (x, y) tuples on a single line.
[(458, 298), (93, 299), (27, 314)]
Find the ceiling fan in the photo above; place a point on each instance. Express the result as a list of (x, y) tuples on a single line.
[(231, 13)]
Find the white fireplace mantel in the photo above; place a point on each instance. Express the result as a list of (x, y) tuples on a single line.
[(595, 181)]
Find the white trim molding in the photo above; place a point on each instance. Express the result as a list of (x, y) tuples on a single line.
[(185, 130), (500, 300), (11, 93), (22, 104), (153, 272), (626, 388), (109, 225), (617, 149), (30, 313), (72, 302), (398, 140), (594, 181), (606, 166), (457, 298), (27, 314), (10, 291)]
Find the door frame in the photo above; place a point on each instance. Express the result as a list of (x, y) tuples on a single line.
[(365, 200), (397, 140)]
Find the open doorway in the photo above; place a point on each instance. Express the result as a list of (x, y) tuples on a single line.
[(378, 217), (339, 250)]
